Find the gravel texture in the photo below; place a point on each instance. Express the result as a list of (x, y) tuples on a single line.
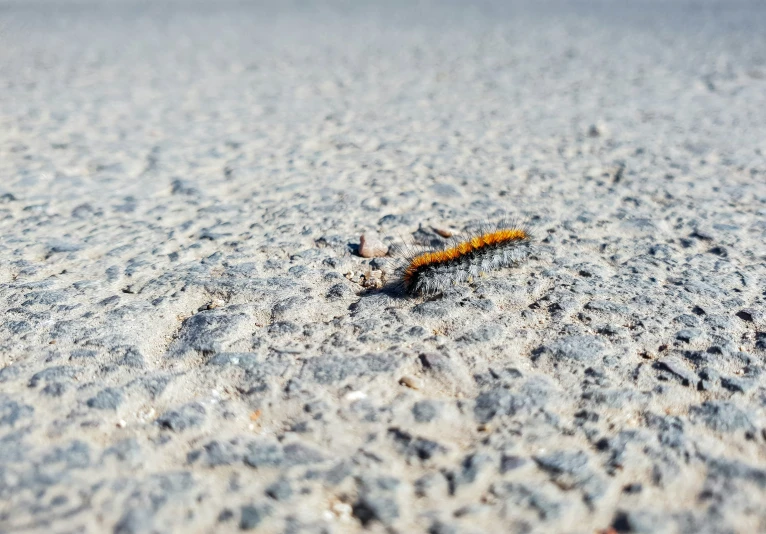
[(191, 341)]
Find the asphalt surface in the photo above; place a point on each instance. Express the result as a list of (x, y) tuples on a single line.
[(191, 342)]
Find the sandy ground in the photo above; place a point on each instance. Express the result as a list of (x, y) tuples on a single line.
[(186, 341)]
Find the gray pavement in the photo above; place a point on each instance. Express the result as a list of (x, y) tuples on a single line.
[(187, 343)]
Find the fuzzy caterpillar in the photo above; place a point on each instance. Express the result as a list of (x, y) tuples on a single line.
[(492, 247)]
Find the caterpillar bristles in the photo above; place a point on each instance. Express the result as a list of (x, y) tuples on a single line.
[(430, 270)]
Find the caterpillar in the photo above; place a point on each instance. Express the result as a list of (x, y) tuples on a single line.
[(492, 247)]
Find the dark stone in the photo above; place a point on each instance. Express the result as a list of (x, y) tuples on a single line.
[(760, 340), (83, 211), (727, 470), (616, 447), (74, 456), (429, 484), (437, 527), (252, 516), (416, 332), (12, 450), (225, 515), (687, 320), (698, 358), (106, 399), (709, 379), (738, 384), (721, 416), (719, 322), (18, 327), (54, 389), (249, 361), (665, 469), (11, 411), (424, 449), (607, 307), (688, 335), (377, 500), (670, 430), (519, 495), (183, 187), (375, 508), (432, 308), (188, 416), (283, 328), (563, 462), (338, 473), (483, 334), (395, 220), (126, 450), (338, 291), (585, 416), (57, 373), (425, 411), (131, 357), (571, 469), (9, 373), (57, 247), (676, 369), (287, 304), (299, 454), (153, 385), (746, 315), (83, 354), (301, 427), (316, 407), (510, 462), (263, 454), (280, 490), (586, 349), (471, 466), (445, 190), (435, 362), (45, 298), (109, 300), (640, 522), (216, 453), (112, 273), (134, 521), (334, 369), (207, 331), (500, 402)]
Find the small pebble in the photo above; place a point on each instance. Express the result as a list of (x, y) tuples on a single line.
[(372, 279), (355, 396), (443, 231), (342, 510), (370, 246), (410, 382)]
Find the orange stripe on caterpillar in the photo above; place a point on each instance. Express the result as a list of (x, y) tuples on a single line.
[(475, 244)]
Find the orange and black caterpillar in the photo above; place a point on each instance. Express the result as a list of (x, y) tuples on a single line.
[(492, 247)]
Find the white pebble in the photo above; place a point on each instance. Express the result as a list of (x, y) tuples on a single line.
[(342, 510), (443, 231), (410, 382), (355, 396), (370, 246)]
